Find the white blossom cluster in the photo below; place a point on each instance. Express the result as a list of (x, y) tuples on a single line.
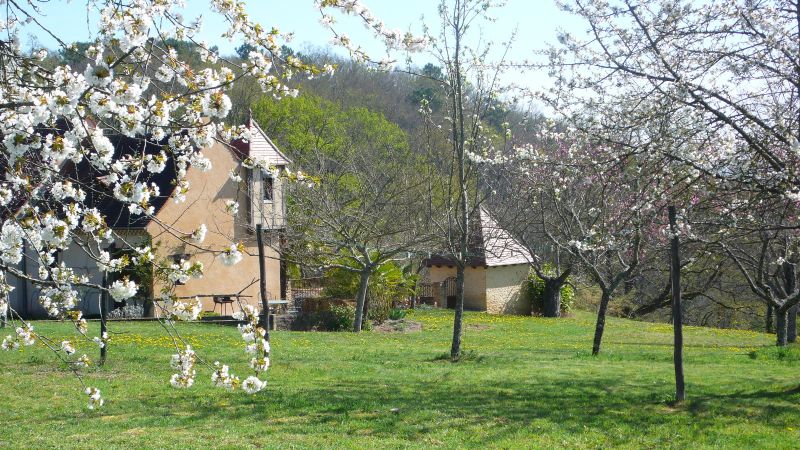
[(23, 335), (129, 83), (184, 310), (183, 270), (184, 362), (232, 255), (123, 289), (95, 399), (392, 39), (257, 346), (221, 377), (199, 234)]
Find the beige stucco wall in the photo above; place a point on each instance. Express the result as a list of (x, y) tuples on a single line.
[(474, 284), (205, 203), (504, 289)]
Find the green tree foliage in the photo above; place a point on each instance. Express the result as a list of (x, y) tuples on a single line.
[(370, 204), (309, 124)]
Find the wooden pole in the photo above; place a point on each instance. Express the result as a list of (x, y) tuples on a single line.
[(262, 281), (677, 315), (103, 312)]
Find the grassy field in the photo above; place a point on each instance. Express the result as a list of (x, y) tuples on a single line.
[(525, 383)]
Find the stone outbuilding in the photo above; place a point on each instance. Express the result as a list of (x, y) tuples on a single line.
[(497, 270)]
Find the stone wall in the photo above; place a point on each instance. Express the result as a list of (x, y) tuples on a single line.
[(504, 293)]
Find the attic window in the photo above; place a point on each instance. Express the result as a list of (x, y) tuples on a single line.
[(268, 188)]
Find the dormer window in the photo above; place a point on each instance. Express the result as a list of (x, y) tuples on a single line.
[(268, 188)]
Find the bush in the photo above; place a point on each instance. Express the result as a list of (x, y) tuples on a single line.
[(535, 291), (390, 285), (338, 318), (397, 314), (380, 304)]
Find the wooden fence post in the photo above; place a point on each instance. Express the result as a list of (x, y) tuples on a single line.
[(262, 281), (103, 313)]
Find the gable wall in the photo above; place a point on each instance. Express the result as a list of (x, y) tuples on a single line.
[(504, 289), (205, 203)]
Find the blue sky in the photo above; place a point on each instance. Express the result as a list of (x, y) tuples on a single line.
[(537, 22)]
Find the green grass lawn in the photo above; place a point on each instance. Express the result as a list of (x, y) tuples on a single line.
[(525, 383)]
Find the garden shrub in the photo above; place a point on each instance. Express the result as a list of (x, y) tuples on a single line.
[(391, 284), (338, 318), (397, 314)]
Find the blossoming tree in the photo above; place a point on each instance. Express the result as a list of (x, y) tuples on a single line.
[(731, 67), (128, 81)]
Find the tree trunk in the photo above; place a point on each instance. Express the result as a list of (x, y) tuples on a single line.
[(677, 314), (601, 321), (628, 285), (551, 298), (780, 325), (770, 319), (455, 349), (366, 304), (360, 299), (790, 282)]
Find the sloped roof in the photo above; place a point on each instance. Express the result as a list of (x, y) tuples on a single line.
[(260, 146), (499, 247), (489, 245)]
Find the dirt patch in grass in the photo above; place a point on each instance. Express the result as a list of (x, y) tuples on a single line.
[(398, 326), (477, 326)]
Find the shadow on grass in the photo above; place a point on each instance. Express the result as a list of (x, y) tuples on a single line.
[(498, 409)]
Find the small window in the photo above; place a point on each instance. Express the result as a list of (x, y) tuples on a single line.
[(268, 188)]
